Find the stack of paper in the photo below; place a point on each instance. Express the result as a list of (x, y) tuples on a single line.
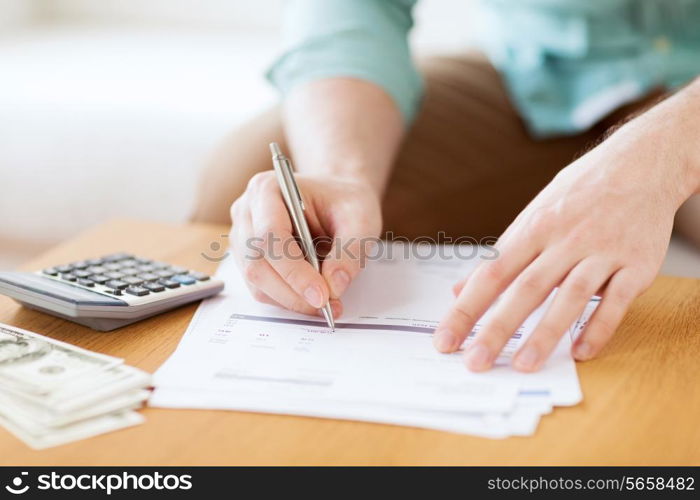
[(53, 393), (379, 365)]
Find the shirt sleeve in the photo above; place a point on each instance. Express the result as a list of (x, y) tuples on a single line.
[(366, 39)]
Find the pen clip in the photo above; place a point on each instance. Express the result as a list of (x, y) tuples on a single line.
[(294, 183)]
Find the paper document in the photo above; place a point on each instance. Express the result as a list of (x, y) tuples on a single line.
[(379, 365)]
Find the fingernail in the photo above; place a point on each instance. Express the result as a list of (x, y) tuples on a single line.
[(443, 340), (527, 358), (314, 296), (583, 351), (478, 357), (340, 280)]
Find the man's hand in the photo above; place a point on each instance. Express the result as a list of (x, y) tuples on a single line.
[(342, 212), (602, 226)]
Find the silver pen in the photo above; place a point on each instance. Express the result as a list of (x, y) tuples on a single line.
[(295, 207)]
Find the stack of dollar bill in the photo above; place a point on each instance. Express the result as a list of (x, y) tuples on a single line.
[(52, 393)]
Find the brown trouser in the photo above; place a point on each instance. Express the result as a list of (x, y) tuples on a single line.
[(467, 165)]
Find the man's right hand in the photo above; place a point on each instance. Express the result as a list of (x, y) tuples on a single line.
[(342, 211)]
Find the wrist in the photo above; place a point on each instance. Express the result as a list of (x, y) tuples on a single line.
[(662, 144), (355, 171)]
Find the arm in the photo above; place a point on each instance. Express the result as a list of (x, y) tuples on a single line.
[(601, 226), (349, 87)]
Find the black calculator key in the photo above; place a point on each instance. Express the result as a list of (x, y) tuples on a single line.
[(87, 283), (64, 269), (154, 287), (148, 276), (169, 283), (97, 269), (132, 280), (199, 276), (81, 264), (68, 277), (80, 273), (117, 257), (115, 275), (99, 279), (117, 284), (137, 290), (50, 271), (116, 291), (165, 273), (183, 279)]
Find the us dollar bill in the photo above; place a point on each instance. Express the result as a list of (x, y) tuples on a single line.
[(39, 365), (43, 437), (85, 392)]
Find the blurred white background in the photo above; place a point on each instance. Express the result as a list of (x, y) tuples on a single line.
[(111, 107)]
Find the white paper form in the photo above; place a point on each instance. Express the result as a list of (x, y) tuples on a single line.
[(379, 365)]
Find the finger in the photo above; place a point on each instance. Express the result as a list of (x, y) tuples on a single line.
[(258, 273), (523, 296), (352, 241), (271, 223), (619, 294), (261, 296), (459, 286), (568, 304), (482, 288)]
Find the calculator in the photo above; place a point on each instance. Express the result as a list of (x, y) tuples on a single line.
[(108, 292)]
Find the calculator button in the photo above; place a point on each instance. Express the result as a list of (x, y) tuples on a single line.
[(159, 265), (117, 257), (130, 271), (116, 291), (115, 275), (147, 268), (113, 266), (165, 273), (169, 283), (129, 263), (64, 269), (137, 290), (81, 264), (132, 280), (118, 284), (148, 276), (199, 276), (98, 278), (94, 262), (50, 271), (184, 279), (142, 261), (86, 283), (68, 277), (154, 287), (97, 269), (81, 274), (178, 270)]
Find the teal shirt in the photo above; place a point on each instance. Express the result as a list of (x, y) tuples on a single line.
[(566, 63)]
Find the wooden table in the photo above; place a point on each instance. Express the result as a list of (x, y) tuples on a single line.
[(641, 397)]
